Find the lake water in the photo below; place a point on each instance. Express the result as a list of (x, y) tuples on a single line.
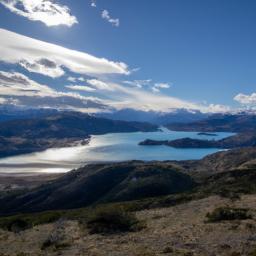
[(104, 148)]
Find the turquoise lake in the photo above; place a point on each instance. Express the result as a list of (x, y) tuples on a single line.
[(111, 147)]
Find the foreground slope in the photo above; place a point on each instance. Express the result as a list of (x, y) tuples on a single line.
[(180, 230)]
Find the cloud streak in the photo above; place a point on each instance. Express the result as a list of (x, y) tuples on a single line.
[(47, 11), (81, 88), (51, 59)]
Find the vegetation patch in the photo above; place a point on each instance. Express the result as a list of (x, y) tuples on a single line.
[(19, 223), (227, 213), (113, 220)]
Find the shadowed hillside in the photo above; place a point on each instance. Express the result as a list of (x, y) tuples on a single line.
[(101, 183)]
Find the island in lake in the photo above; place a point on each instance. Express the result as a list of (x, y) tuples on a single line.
[(236, 141)]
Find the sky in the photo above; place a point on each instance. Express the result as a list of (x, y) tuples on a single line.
[(103, 55)]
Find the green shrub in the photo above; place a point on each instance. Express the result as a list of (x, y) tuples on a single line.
[(18, 225), (20, 222), (113, 220), (227, 213)]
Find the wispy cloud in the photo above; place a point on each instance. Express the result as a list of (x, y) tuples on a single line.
[(49, 12), (18, 89), (138, 83), (158, 86), (155, 87), (51, 59), (106, 16)]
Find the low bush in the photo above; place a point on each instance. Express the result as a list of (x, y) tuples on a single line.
[(227, 213), (22, 222), (18, 225), (113, 220)]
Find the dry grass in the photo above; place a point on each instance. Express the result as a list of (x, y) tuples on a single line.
[(180, 230)]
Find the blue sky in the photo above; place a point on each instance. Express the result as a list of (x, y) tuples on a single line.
[(197, 54)]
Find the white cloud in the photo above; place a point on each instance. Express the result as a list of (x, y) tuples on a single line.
[(75, 79), (81, 88), (71, 79), (47, 11), (50, 59), (247, 100), (93, 3), (138, 98), (158, 86), (218, 108), (162, 85), (106, 16)]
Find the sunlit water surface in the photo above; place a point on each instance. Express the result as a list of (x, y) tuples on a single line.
[(110, 147)]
